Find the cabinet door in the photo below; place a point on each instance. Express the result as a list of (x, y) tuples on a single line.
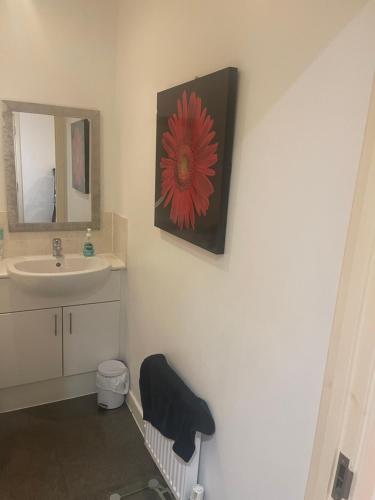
[(30, 346), (91, 335)]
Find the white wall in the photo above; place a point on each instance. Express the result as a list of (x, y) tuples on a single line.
[(61, 53), (37, 154), (248, 330)]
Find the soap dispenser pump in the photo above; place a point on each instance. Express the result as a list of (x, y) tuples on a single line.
[(88, 247)]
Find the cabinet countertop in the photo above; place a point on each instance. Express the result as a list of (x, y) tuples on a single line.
[(115, 262)]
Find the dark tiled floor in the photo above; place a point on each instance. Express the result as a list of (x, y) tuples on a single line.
[(72, 450)]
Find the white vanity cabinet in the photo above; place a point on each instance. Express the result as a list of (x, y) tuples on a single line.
[(30, 346), (91, 335), (50, 343), (56, 336)]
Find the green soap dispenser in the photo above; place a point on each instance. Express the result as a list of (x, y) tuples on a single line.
[(88, 247)]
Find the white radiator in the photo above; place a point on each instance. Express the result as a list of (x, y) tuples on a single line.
[(179, 476)]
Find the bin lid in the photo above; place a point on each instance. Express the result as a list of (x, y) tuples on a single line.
[(111, 368)]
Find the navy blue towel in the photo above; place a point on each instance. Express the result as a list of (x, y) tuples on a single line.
[(171, 407)]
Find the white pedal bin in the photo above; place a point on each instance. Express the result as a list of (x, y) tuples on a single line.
[(112, 383)]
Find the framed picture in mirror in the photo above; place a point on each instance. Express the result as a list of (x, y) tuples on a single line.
[(80, 132)]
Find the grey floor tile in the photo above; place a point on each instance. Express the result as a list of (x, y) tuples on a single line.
[(144, 495), (71, 450)]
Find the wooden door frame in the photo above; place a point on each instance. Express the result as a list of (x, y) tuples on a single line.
[(354, 275)]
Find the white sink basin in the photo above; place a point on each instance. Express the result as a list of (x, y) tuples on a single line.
[(70, 274)]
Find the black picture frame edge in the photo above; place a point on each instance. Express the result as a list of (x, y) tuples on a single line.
[(227, 159)]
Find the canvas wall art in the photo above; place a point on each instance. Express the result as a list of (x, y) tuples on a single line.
[(195, 129), (80, 136)]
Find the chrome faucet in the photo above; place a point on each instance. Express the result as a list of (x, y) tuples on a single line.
[(56, 247)]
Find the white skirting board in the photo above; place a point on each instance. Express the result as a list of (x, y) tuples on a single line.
[(136, 410), (48, 391)]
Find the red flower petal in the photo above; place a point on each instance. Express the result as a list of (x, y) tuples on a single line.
[(191, 154)]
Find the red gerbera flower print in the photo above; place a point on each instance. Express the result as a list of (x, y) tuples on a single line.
[(190, 161)]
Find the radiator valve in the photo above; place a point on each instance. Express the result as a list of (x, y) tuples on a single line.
[(197, 492)]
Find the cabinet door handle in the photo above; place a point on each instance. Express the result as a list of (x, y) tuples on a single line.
[(55, 324), (70, 324)]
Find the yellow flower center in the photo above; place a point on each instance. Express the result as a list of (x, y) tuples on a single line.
[(183, 167)]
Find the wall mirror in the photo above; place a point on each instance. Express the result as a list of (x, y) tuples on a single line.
[(52, 170)]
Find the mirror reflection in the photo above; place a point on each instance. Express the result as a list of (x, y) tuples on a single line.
[(53, 165)]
